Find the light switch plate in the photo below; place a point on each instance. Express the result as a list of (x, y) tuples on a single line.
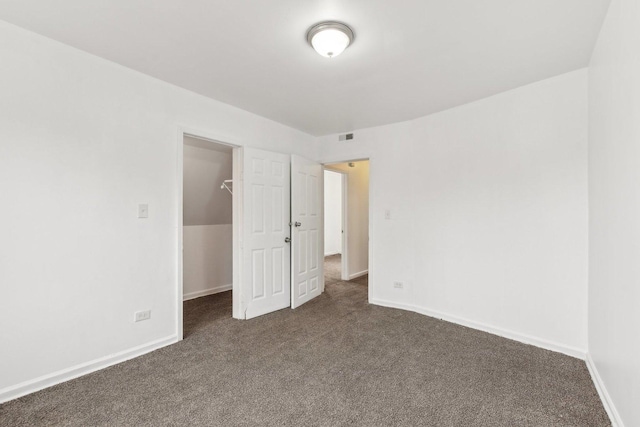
[(143, 211)]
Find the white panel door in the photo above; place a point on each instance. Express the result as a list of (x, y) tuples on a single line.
[(307, 261), (265, 253)]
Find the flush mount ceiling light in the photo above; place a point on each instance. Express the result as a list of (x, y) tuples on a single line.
[(329, 39)]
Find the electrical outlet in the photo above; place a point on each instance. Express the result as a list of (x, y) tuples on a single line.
[(398, 285), (142, 315)]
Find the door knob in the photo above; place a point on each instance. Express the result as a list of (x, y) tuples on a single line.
[(297, 224), (287, 239)]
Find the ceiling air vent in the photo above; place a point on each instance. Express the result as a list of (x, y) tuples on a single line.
[(345, 137)]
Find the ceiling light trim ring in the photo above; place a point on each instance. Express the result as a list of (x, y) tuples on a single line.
[(330, 25)]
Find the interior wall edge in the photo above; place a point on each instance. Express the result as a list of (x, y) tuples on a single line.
[(543, 343), (607, 402), (64, 375)]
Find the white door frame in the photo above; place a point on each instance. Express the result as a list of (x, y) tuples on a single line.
[(327, 165), (344, 258), (236, 219)]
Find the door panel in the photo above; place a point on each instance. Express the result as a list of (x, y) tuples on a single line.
[(265, 254), (307, 266)]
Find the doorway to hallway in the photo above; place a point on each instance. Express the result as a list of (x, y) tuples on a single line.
[(346, 212)]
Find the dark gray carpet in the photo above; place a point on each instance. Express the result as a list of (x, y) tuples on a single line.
[(334, 361)]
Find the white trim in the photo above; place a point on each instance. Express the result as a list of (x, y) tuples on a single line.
[(614, 416), (370, 263), (238, 310), (344, 219), (31, 386), (322, 248), (505, 333), (329, 162), (209, 291), (217, 138), (236, 145), (179, 232), (331, 254), (358, 274)]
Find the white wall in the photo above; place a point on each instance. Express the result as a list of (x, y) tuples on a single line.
[(208, 260), (83, 141), (205, 203), (488, 205), (332, 213), (357, 216), (614, 210)]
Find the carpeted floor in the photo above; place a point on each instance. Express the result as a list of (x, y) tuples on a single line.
[(334, 361)]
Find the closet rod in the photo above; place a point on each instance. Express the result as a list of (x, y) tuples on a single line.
[(224, 185)]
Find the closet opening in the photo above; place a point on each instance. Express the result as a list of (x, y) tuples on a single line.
[(207, 232), (346, 223)]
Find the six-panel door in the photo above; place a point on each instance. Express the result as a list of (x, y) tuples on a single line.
[(265, 253)]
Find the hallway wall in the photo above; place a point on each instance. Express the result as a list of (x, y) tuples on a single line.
[(332, 213)]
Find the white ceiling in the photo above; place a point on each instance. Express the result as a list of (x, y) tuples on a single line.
[(410, 57)]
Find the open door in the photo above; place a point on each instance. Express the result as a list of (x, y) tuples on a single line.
[(265, 250), (307, 261)]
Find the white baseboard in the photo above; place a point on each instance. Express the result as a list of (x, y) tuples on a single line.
[(205, 292), (614, 416), (516, 336), (331, 253), (31, 386), (358, 274)]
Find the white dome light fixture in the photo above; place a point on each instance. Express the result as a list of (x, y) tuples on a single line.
[(330, 39)]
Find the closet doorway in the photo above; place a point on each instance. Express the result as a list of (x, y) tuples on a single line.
[(207, 227)]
